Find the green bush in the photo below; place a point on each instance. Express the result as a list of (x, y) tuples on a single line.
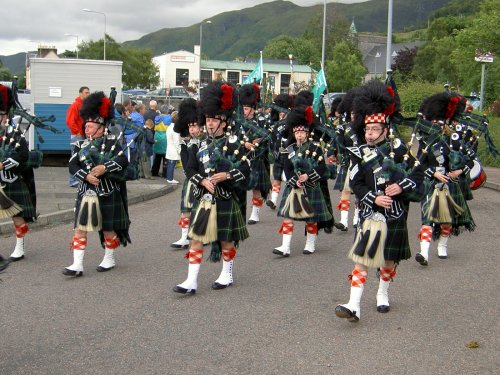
[(412, 93)]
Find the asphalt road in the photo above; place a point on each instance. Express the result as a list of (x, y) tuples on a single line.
[(278, 317)]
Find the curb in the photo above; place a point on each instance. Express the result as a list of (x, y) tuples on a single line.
[(492, 185), (66, 216)]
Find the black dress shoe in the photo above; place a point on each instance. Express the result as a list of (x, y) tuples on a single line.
[(328, 230), (181, 290), (217, 285), (68, 272), (4, 263), (307, 252), (345, 313), (16, 259), (279, 252), (175, 246), (251, 222), (383, 308), (443, 256), (104, 269), (420, 259), (270, 204), (340, 226)]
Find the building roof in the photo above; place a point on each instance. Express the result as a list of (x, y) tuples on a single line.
[(249, 66), (375, 59)]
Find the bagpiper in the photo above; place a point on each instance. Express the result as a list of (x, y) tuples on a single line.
[(256, 138), (282, 105), (100, 165), (17, 185), (379, 180), (304, 167), (189, 129), (218, 169), (444, 208)]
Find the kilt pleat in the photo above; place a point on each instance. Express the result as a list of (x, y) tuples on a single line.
[(259, 177), (341, 176), (278, 168), (184, 208)]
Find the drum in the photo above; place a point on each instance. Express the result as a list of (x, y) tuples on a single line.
[(476, 170), (479, 181)]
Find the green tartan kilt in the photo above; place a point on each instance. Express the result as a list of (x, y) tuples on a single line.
[(459, 223), (184, 192), (259, 177), (316, 200), (342, 174), (397, 244), (230, 222), (18, 191), (464, 182), (114, 213)]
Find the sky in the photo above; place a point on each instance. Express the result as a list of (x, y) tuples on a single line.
[(28, 23)]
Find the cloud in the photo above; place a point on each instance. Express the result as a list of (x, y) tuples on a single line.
[(33, 22)]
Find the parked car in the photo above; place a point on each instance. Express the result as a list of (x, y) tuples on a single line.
[(162, 95), (474, 101)]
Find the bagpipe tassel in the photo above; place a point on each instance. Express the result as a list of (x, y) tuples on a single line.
[(89, 217), (8, 208), (204, 227), (368, 249)]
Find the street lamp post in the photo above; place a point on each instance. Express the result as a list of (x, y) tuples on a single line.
[(377, 55), (94, 11), (324, 38), (201, 40), (290, 56), (67, 34)]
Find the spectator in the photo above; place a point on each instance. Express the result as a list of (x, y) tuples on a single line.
[(75, 124), (137, 118), (173, 151), (152, 112), (162, 122), (147, 149), (112, 95)]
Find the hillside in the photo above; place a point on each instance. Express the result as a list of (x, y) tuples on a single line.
[(239, 33), (15, 63)]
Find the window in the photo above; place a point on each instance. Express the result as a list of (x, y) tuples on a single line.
[(285, 84), (206, 77), (233, 77), (181, 77)]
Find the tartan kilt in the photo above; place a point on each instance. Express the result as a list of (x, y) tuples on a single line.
[(316, 200), (464, 182), (184, 208), (278, 168), (342, 174), (259, 177), (19, 192), (230, 221), (459, 223), (397, 244), (113, 211)]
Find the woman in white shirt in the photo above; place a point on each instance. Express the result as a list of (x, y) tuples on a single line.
[(173, 151)]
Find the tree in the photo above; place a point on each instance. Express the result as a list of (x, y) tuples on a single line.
[(279, 47), (138, 67), (404, 62), (482, 35), (346, 69)]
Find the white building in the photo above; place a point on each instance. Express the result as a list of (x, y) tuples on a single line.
[(182, 68)]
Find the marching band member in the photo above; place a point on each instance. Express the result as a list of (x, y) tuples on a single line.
[(101, 204), (17, 188), (382, 188), (282, 105), (444, 209), (259, 182), (218, 169), (304, 167), (187, 125)]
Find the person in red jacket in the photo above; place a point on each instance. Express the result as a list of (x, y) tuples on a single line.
[(74, 122)]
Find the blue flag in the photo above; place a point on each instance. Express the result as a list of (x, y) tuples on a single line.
[(318, 89), (256, 75)]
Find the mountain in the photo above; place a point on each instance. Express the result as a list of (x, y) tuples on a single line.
[(239, 33), (15, 63)]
